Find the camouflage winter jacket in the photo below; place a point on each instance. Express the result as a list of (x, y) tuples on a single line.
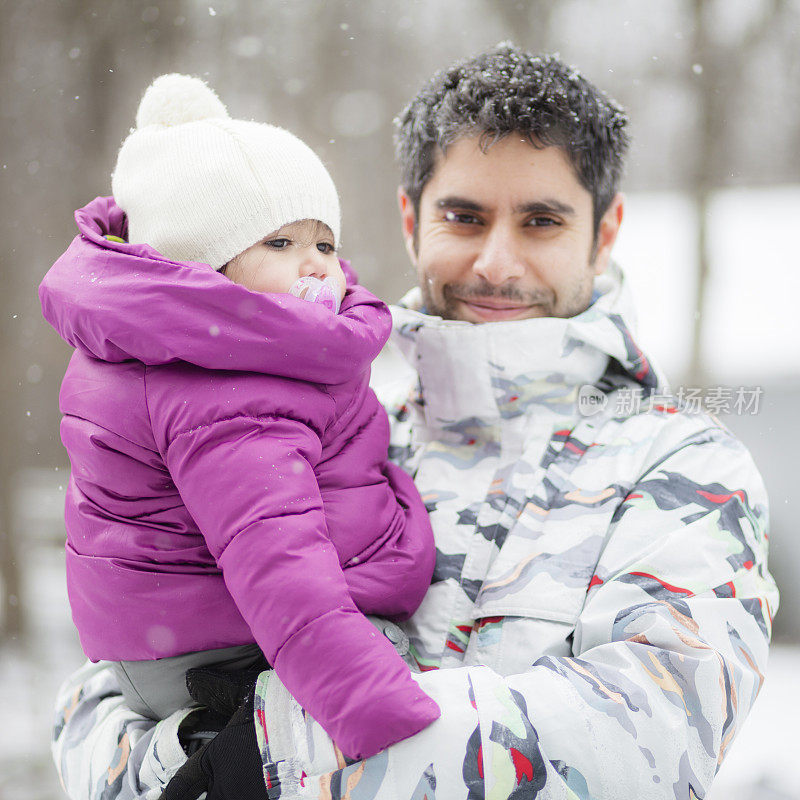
[(601, 608)]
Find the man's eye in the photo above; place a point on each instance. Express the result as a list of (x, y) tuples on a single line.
[(543, 222), (461, 217), (326, 247), (278, 244)]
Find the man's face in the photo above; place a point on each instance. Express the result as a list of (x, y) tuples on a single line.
[(506, 234)]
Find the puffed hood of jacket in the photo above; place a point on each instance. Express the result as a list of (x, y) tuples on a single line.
[(117, 301)]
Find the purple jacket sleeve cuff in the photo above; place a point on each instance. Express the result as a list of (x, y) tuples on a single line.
[(351, 680)]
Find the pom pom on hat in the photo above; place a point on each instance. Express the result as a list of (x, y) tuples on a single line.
[(174, 99), (199, 186)]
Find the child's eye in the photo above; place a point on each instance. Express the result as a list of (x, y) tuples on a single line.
[(280, 243), (326, 247)]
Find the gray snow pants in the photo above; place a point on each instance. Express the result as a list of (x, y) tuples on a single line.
[(157, 688)]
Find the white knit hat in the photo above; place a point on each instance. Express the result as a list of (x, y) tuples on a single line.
[(199, 186)]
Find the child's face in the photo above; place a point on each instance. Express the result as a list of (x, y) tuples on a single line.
[(298, 250)]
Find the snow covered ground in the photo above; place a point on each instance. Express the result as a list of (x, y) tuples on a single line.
[(30, 673)]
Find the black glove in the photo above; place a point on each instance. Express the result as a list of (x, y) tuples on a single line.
[(223, 691), (228, 767)]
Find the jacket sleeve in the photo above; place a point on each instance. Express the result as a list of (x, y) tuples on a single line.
[(250, 485), (668, 656)]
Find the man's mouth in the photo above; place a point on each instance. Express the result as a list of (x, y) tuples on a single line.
[(495, 309)]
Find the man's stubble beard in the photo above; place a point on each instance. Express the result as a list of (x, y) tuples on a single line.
[(543, 302)]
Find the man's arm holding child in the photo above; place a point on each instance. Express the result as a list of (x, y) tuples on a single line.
[(669, 654)]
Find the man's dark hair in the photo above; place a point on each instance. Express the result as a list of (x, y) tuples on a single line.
[(508, 90)]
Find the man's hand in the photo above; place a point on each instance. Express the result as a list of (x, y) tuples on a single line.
[(228, 767)]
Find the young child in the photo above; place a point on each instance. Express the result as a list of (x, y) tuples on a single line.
[(230, 492)]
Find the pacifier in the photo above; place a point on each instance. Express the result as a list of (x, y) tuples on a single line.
[(325, 292)]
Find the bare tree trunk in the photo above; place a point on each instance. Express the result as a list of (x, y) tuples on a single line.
[(528, 21), (701, 190), (12, 623), (718, 71), (13, 626)]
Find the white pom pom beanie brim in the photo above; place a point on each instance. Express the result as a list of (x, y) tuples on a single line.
[(199, 186)]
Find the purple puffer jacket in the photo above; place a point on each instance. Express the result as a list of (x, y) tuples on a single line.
[(229, 480)]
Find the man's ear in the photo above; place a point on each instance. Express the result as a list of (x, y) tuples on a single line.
[(408, 220), (607, 233)]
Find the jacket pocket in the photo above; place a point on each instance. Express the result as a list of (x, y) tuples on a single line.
[(535, 590), (539, 581), (511, 644)]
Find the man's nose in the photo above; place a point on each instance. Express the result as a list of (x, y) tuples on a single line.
[(499, 259)]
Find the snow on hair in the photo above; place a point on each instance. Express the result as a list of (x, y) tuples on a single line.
[(508, 90)]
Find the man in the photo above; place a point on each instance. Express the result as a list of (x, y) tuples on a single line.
[(599, 616)]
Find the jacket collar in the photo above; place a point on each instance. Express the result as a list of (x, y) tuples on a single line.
[(500, 369)]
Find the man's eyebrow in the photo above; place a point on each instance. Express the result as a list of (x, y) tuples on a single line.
[(452, 201), (547, 206)]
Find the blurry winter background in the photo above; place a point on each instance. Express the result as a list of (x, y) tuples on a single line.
[(709, 241)]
